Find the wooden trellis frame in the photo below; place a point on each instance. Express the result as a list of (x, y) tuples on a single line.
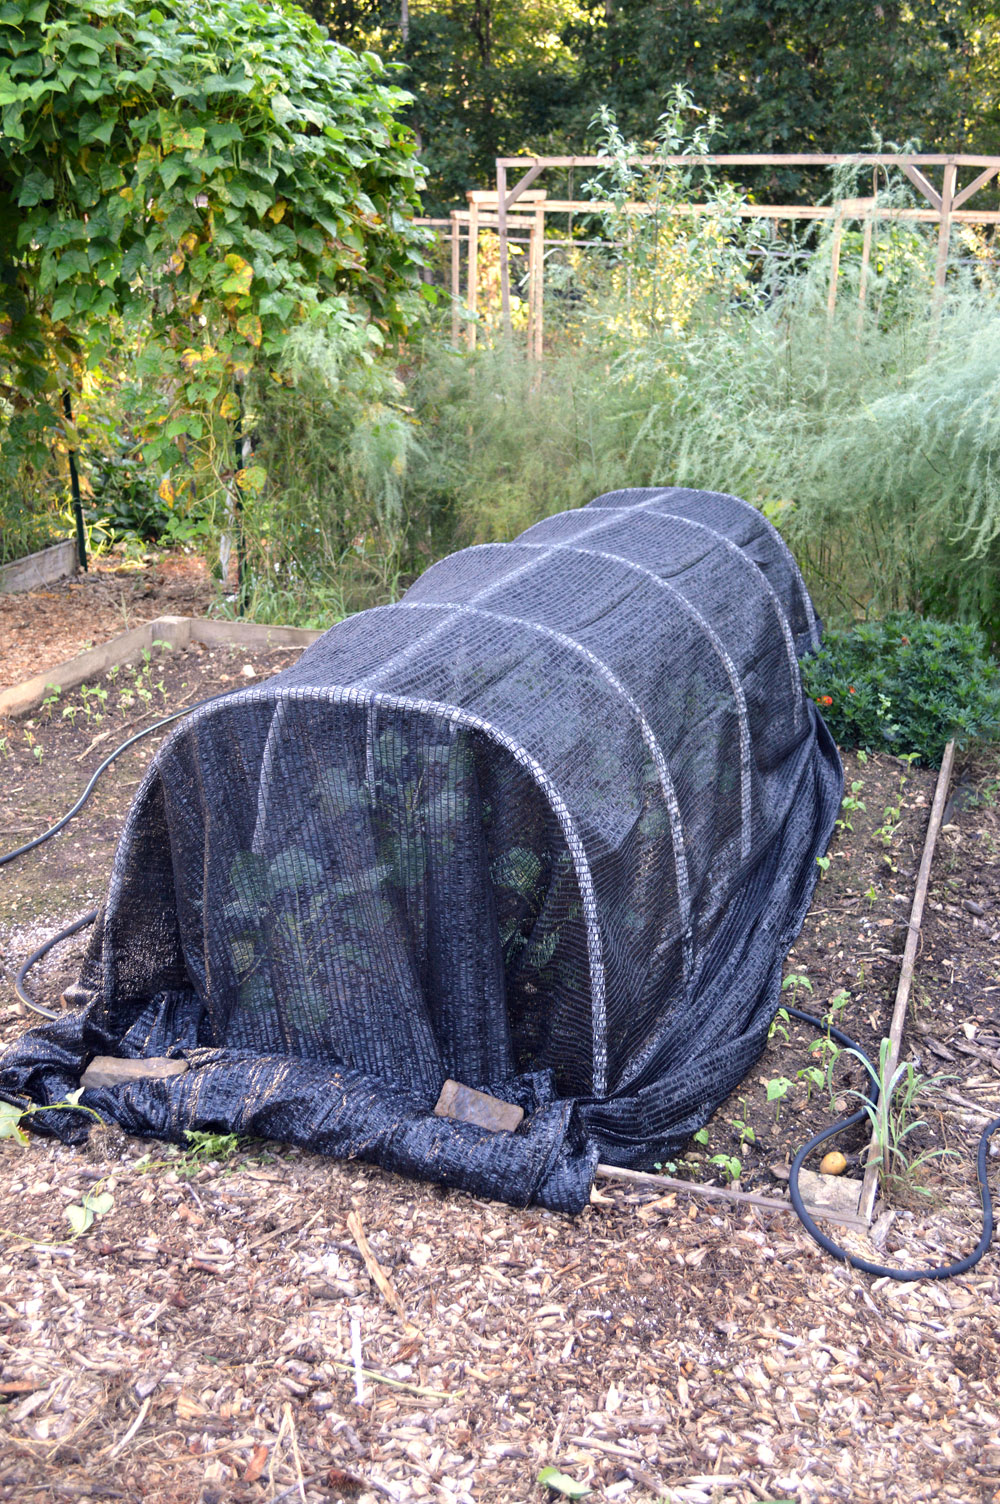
[(946, 206)]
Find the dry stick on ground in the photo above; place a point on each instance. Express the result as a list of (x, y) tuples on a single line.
[(869, 1185), (663, 1183), (378, 1274)]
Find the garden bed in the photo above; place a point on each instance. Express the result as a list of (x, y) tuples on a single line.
[(651, 1345), (844, 965)]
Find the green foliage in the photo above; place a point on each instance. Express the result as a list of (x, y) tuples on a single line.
[(787, 77), (337, 442), (487, 79), (906, 684), (187, 184), (669, 268), (892, 1119), (491, 79)]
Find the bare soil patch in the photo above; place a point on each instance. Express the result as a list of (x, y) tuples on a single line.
[(198, 1342), (42, 628)]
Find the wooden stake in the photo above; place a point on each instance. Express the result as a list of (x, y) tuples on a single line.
[(667, 1184), (944, 233), (838, 234), (866, 252), (502, 235), (456, 278), (870, 1183), (540, 282), (472, 271)]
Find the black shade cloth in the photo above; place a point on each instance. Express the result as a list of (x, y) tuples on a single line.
[(547, 826)]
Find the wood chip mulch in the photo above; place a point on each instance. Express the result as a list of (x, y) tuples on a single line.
[(198, 1344)]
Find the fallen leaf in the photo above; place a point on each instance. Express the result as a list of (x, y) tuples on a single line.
[(256, 1465), (562, 1483)]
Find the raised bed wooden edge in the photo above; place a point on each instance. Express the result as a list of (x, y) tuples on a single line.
[(173, 631), (42, 568)]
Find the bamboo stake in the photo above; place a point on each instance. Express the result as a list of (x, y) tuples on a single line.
[(866, 253), (502, 236), (667, 1184), (870, 1183), (540, 282), (838, 233)]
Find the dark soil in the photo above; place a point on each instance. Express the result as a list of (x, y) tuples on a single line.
[(845, 967), (46, 760), (845, 964)]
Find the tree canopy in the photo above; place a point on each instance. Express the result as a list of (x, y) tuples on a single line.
[(493, 77)]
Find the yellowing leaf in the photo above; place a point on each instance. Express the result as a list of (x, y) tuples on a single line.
[(277, 211), (252, 480), (191, 357), (250, 328), (229, 407), (241, 369), (165, 490), (241, 275), (176, 262)]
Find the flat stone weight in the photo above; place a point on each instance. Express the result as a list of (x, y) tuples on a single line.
[(108, 1070), (478, 1107)]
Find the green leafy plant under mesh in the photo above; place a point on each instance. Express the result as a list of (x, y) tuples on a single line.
[(906, 684)]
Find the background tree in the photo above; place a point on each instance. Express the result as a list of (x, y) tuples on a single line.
[(492, 76)]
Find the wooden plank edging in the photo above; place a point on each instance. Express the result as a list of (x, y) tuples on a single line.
[(56, 562), (175, 631)]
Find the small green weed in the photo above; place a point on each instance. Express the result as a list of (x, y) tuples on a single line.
[(892, 1119), (202, 1148)]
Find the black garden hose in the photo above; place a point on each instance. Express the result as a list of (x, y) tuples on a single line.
[(10, 856), (36, 955), (943, 1271), (933, 1271)]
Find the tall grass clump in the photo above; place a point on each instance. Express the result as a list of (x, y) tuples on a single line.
[(871, 438), (331, 530)]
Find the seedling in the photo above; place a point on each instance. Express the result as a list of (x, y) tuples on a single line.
[(829, 1053), (850, 803), (779, 1026), (701, 1137), (777, 1090), (835, 1007), (729, 1164), (795, 983), (744, 1132), (814, 1077)]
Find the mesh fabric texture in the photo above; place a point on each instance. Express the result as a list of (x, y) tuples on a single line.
[(547, 826)]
